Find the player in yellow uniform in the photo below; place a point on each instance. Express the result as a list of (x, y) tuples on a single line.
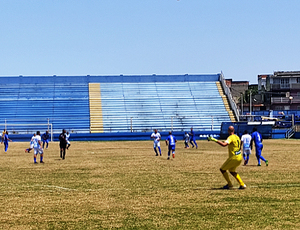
[(234, 160), (3, 134)]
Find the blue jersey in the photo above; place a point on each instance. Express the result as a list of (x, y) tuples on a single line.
[(5, 139), (171, 139), (192, 135), (257, 138), (45, 136)]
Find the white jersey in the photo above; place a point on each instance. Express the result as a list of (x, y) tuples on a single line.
[(32, 142), (246, 139), (36, 140), (67, 138), (156, 137), (186, 137)]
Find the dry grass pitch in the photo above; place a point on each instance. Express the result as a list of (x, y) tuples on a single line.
[(110, 185)]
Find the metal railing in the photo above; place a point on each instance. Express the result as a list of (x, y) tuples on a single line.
[(229, 96)]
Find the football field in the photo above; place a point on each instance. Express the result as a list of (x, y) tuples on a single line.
[(123, 185)]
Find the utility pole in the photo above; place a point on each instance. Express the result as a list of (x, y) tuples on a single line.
[(242, 105), (250, 102)]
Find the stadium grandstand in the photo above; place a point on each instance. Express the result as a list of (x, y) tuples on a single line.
[(110, 104)]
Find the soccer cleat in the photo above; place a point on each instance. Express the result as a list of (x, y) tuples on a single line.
[(259, 165), (243, 187), (246, 162), (26, 151), (227, 187), (42, 162), (267, 162), (156, 154), (173, 155), (35, 162), (168, 158)]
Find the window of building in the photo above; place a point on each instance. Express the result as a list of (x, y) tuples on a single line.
[(298, 79), (276, 80), (284, 82)]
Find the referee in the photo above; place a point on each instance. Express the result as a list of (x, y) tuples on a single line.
[(62, 144)]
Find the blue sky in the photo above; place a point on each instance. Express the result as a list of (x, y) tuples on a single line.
[(112, 37)]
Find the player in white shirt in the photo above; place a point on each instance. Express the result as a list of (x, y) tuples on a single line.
[(245, 142), (186, 140), (156, 141), (67, 139), (37, 145), (31, 144)]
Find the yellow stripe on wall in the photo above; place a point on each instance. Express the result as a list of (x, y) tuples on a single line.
[(96, 119)]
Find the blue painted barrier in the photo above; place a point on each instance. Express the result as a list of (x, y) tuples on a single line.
[(122, 136)]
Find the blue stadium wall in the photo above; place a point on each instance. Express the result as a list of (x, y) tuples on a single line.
[(143, 136), (268, 131)]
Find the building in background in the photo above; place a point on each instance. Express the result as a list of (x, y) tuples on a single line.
[(282, 90), (279, 91)]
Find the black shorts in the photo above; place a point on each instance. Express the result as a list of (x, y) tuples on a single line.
[(62, 145)]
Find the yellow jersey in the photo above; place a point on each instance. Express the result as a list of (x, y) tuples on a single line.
[(234, 145)]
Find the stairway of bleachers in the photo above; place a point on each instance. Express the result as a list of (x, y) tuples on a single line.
[(64, 105), (163, 105)]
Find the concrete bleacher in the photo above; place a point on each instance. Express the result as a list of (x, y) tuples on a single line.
[(25, 102), (141, 107), (122, 104)]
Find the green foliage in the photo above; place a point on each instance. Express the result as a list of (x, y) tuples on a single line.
[(253, 89)]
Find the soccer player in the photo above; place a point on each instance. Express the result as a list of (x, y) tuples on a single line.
[(62, 144), (156, 141), (171, 142), (67, 139), (37, 146), (31, 144), (234, 160), (193, 138), (45, 138), (3, 134), (257, 139), (186, 138), (5, 141), (246, 141)]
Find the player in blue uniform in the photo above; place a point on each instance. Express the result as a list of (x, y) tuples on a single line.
[(257, 139), (5, 141), (45, 138), (171, 142), (193, 138)]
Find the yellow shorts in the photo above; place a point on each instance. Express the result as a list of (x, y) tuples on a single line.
[(232, 163)]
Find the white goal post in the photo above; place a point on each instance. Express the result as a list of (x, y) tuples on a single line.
[(19, 128)]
